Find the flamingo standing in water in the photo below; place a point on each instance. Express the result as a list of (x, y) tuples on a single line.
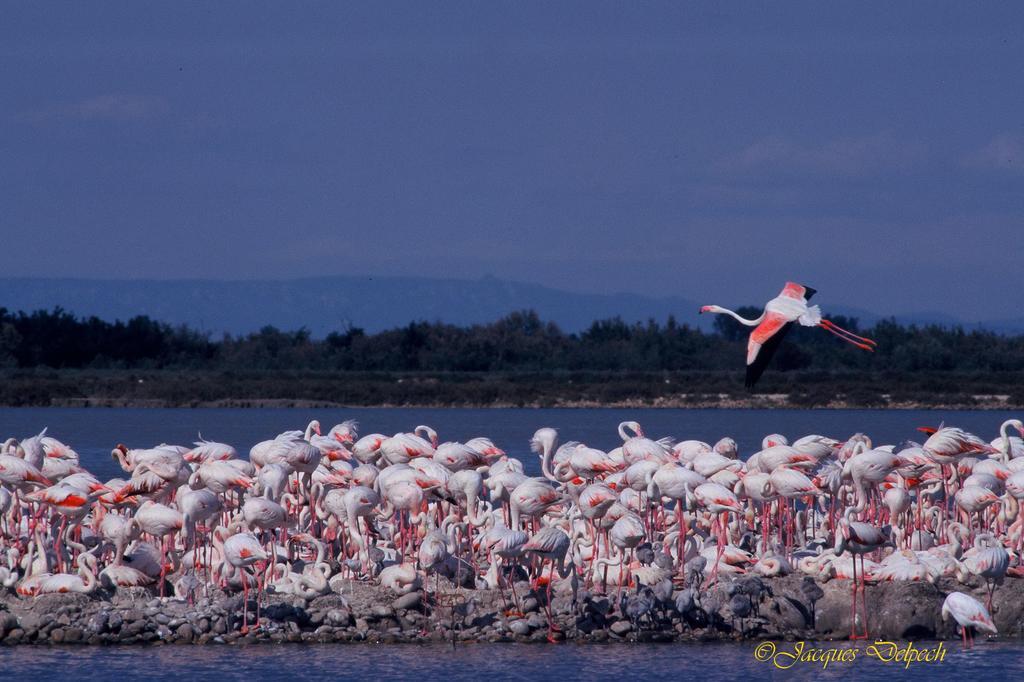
[(969, 613), (779, 315)]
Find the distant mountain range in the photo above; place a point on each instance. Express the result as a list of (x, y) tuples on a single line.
[(326, 304)]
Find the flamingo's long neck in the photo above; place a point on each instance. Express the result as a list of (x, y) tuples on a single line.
[(739, 318), (1004, 432), (545, 462), (635, 427)]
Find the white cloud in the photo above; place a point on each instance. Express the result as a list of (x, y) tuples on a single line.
[(108, 107), (1004, 152), (843, 156)]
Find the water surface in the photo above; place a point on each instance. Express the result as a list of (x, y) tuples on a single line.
[(1000, 660)]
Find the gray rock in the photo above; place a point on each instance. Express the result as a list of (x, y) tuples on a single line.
[(133, 614), (407, 601), (114, 621), (185, 632), (134, 628), (381, 611), (33, 621), (338, 617), (621, 627), (519, 627), (8, 622), (279, 612), (98, 622), (73, 634)]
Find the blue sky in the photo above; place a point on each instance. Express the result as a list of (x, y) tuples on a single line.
[(873, 151)]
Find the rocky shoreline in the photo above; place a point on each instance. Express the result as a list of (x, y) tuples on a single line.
[(778, 609)]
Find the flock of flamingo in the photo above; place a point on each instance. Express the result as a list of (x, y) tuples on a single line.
[(306, 511)]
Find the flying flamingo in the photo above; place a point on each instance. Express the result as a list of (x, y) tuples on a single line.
[(779, 315)]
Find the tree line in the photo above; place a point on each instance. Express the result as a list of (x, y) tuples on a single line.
[(519, 342)]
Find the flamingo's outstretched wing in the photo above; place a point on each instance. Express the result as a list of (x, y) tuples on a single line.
[(763, 343)]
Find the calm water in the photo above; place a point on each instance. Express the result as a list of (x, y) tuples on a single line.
[(93, 432), (482, 661)]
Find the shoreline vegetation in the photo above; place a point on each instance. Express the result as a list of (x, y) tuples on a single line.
[(52, 358)]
